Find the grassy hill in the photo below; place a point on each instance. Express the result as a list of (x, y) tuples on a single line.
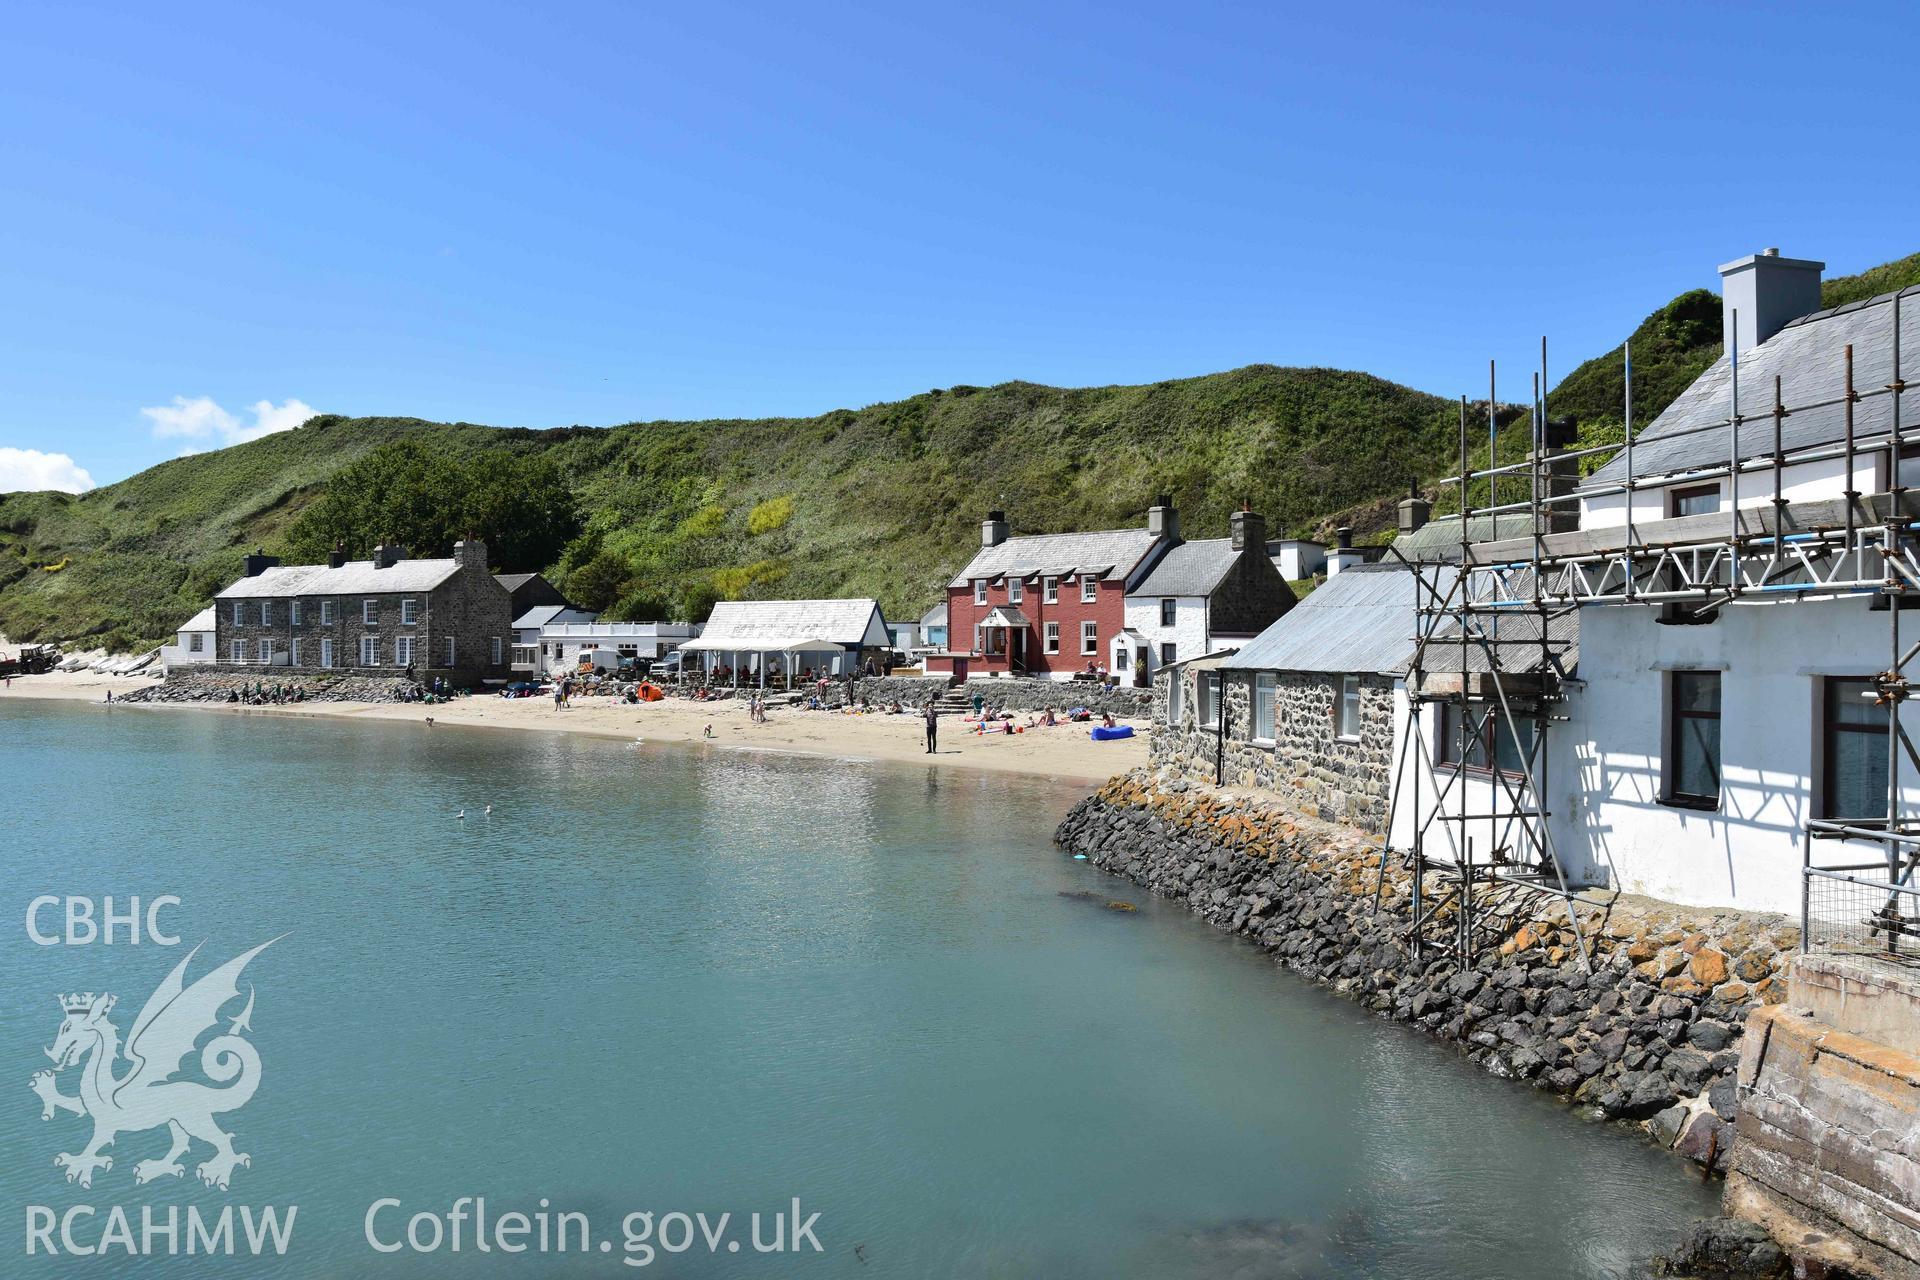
[(883, 501)]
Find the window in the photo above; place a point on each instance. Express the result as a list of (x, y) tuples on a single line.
[(266, 613), (1346, 720), (977, 638), (239, 653), (1050, 590), (979, 590), (1854, 750), (1014, 593), (294, 613), (402, 651), (1168, 652), (293, 648), (450, 651), (239, 613), (367, 658), (326, 653), (1053, 637), (1087, 587), (493, 650), (1693, 500), (1089, 637), (1168, 611), (266, 651), (1209, 708), (326, 613), (1264, 686), (1176, 696), (1907, 474), (1693, 739), (1511, 753), (367, 616), (194, 639), (409, 613)]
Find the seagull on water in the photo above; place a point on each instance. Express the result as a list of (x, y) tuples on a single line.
[(489, 809), (461, 815)]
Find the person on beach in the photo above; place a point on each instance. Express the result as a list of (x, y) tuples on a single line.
[(933, 727)]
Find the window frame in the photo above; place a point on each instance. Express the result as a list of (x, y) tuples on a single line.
[(494, 650), (453, 652), (239, 613), (1089, 638), (1677, 719), (196, 642), (409, 611), (1050, 591), (326, 653), (1347, 698), (237, 651), (1015, 591), (1482, 762), (369, 651), (1169, 611), (1050, 637), (403, 650), (266, 613), (1829, 727), (1678, 495), (1208, 690), (326, 613), (1169, 653), (979, 590), (1176, 697), (1089, 589), (370, 612), (1265, 683), (264, 648)]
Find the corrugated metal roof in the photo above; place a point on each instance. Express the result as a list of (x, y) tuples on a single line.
[(841, 621), (1808, 355), (1059, 554), (1360, 620), (1513, 635), (354, 578), (1190, 569)]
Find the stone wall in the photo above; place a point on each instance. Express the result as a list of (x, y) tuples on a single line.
[(201, 685), (1307, 764), (1652, 1034), (1011, 693)]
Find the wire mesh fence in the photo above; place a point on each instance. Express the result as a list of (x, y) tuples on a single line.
[(1862, 913)]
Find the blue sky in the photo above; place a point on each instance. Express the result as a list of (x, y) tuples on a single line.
[(217, 217)]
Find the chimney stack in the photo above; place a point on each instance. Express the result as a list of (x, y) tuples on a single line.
[(1343, 537), (1345, 555), (258, 563), (1414, 512), (1766, 291), (993, 530), (1249, 529), (1162, 520), (1560, 475), (337, 556), (386, 554), (470, 553)]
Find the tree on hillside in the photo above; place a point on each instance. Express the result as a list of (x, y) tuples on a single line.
[(427, 499)]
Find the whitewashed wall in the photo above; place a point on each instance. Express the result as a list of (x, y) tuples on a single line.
[(1188, 632), (1605, 765), (1800, 482)]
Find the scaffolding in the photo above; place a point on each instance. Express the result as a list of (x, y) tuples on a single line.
[(1497, 614)]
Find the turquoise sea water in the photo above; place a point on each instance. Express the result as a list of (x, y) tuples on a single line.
[(675, 980)]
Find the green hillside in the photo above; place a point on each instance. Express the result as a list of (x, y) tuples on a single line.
[(883, 501), (660, 518)]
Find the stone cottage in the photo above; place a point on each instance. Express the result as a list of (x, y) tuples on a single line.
[(1307, 709), (441, 617)]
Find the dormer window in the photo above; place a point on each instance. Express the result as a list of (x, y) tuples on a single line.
[(1015, 592), (1088, 586)]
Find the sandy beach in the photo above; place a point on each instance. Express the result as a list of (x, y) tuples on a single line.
[(1064, 751)]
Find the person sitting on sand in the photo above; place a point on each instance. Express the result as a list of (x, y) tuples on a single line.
[(1049, 719), (1106, 720)]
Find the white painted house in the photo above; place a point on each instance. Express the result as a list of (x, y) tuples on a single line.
[(1704, 731), (1202, 596), (749, 638), (193, 643)]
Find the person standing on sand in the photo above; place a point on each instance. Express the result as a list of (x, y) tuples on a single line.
[(933, 727)]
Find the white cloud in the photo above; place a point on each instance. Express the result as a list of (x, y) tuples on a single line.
[(22, 469), (205, 425)]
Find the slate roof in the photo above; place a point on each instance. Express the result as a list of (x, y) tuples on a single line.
[(1523, 624), (1438, 540), (1109, 553), (1808, 355), (1190, 569), (546, 615), (514, 581), (201, 621), (841, 621), (1360, 620), (354, 578)]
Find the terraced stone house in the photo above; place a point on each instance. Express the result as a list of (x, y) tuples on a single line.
[(385, 616)]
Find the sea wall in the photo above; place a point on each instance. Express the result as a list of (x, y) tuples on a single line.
[(1014, 694), (199, 685), (1651, 1034)]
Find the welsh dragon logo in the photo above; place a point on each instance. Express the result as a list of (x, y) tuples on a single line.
[(147, 1096)]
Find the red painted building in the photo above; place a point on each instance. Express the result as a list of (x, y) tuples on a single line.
[(1049, 604)]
